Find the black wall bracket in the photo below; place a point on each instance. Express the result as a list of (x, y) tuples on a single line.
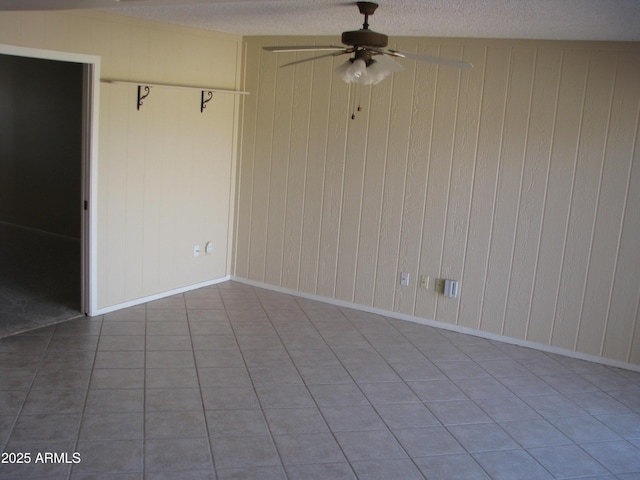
[(141, 97), (203, 100)]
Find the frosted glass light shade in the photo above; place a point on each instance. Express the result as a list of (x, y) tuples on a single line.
[(357, 71)]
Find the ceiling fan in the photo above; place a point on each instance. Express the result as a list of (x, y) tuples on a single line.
[(371, 62)]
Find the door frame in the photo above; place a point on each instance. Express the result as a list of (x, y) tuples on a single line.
[(89, 163)]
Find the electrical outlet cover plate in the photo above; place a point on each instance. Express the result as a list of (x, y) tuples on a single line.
[(451, 288)]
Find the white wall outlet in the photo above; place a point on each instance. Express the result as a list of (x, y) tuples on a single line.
[(404, 279), (196, 250)]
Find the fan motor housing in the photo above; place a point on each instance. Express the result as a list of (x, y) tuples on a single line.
[(365, 38)]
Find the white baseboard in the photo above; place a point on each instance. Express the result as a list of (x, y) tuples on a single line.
[(158, 296), (445, 326)]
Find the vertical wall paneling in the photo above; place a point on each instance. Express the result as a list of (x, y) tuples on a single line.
[(464, 153), (135, 167), (175, 183), (139, 46), (484, 184), (424, 84), (163, 172), (392, 259), (113, 193), (623, 160), (104, 150), (438, 176), (518, 178), (544, 225), (262, 165), (509, 180), (613, 174), (321, 82), (247, 150), (154, 173), (618, 343), (588, 177), (216, 178), (236, 152), (532, 189), (562, 167), (351, 203), (333, 183), (279, 169), (120, 41), (295, 205), (376, 109)]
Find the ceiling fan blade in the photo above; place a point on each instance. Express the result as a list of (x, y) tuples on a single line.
[(307, 48), (19, 5), (428, 58), (23, 5), (388, 64), (316, 58)]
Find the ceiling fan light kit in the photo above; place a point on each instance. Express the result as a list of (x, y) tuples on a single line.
[(363, 69), (371, 62)]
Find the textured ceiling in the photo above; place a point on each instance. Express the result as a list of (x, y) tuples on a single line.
[(532, 19)]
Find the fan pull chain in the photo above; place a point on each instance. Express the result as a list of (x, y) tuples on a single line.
[(353, 102), (358, 94)]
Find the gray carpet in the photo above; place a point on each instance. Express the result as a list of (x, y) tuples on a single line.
[(39, 279)]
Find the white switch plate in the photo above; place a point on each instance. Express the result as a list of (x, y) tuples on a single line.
[(404, 279), (196, 250), (451, 288)]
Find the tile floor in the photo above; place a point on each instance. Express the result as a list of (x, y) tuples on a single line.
[(235, 382)]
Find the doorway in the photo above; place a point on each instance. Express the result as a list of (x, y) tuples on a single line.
[(46, 156)]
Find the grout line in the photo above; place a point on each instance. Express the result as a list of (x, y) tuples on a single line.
[(86, 395), (253, 386), (195, 366), (144, 395)]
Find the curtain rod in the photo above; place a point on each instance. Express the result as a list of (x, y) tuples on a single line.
[(206, 92), (168, 85)]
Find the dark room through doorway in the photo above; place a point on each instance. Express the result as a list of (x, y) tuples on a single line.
[(41, 205)]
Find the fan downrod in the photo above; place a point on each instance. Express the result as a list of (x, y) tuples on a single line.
[(365, 37), (366, 9)]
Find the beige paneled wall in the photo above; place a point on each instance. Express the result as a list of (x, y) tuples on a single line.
[(520, 179), (166, 188), (166, 172)]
